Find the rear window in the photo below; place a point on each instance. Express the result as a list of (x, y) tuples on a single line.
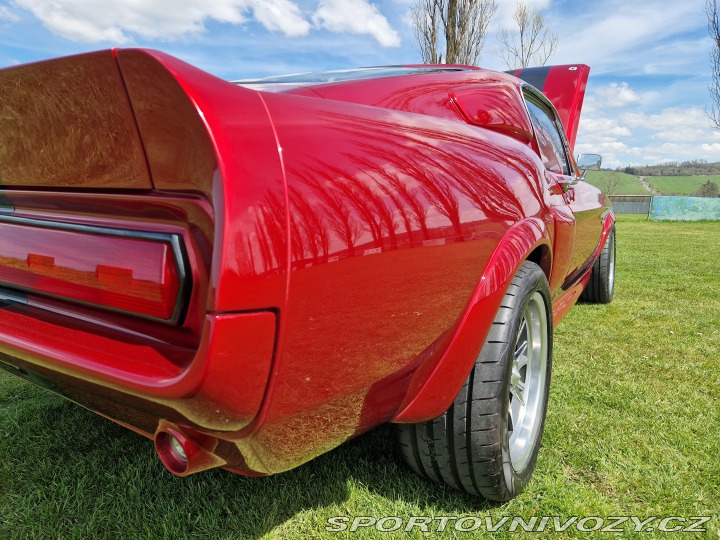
[(323, 77)]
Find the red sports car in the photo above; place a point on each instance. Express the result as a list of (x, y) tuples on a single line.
[(252, 273)]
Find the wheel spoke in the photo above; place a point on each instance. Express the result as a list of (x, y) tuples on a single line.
[(518, 391), (522, 331), (521, 356)]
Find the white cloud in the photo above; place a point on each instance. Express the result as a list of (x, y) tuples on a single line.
[(122, 20), (602, 129), (118, 21), (616, 95), (681, 124), (677, 151), (357, 17), (281, 15), (7, 15), (643, 36), (638, 138), (506, 9)]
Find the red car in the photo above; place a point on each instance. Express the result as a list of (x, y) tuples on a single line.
[(252, 273)]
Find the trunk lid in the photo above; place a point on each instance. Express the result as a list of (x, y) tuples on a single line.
[(565, 87), (68, 123)]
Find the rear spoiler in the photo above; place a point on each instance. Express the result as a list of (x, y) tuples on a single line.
[(139, 120), (67, 123), (565, 87), (128, 119)]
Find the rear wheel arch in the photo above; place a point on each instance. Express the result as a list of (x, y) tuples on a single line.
[(487, 442), (542, 256), (435, 386)]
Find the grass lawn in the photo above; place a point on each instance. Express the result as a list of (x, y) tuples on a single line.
[(633, 429), (616, 183), (680, 185)]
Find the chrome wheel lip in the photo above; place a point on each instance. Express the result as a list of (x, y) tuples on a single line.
[(528, 382)]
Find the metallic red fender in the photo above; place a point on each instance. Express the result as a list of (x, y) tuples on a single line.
[(207, 135), (435, 385)]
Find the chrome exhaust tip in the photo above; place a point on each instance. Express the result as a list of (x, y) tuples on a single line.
[(184, 452)]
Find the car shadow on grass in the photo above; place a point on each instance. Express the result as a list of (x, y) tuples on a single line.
[(68, 473)]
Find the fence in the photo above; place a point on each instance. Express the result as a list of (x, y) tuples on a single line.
[(631, 204), (685, 209), (668, 208)]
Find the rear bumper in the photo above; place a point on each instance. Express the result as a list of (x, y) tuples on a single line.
[(142, 384), (143, 145)]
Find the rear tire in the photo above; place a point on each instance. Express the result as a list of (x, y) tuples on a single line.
[(601, 287), (487, 442)]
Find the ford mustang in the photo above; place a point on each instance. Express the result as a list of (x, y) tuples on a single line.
[(250, 273)]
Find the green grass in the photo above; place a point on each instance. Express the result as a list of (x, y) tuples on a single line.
[(616, 183), (680, 185), (633, 429)]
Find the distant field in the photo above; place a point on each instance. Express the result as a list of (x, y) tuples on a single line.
[(623, 184), (679, 185)]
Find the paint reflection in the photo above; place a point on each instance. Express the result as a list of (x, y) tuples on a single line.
[(390, 232)]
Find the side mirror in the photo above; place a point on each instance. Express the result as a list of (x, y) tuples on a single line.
[(589, 162)]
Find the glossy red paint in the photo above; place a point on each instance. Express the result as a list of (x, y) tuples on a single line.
[(348, 245), (206, 135), (74, 130), (428, 94), (366, 254), (487, 106), (437, 384)]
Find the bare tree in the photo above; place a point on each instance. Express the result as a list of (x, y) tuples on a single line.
[(532, 43), (460, 26), (610, 184), (712, 8)]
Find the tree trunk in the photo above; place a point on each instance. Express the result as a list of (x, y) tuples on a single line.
[(451, 32)]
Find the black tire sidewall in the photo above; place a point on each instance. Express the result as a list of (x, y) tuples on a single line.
[(516, 480), (597, 290)]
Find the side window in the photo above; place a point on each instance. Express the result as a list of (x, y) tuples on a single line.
[(549, 139)]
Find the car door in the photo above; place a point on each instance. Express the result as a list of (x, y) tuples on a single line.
[(577, 204)]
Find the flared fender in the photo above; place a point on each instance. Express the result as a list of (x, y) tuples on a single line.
[(435, 384), (608, 222)]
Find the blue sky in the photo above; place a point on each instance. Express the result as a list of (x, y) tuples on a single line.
[(646, 99)]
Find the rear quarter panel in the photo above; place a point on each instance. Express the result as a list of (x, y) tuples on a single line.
[(393, 218)]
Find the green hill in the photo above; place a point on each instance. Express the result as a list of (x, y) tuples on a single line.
[(616, 183), (680, 185)]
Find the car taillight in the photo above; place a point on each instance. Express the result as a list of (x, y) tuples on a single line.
[(128, 271)]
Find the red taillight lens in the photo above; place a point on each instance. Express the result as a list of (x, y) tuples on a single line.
[(122, 270)]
